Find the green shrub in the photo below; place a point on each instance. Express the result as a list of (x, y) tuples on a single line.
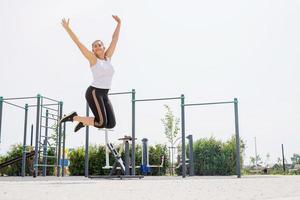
[(76, 157), (97, 159), (214, 157), (155, 155), (16, 168)]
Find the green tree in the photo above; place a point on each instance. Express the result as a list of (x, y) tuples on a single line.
[(171, 125), (295, 159)]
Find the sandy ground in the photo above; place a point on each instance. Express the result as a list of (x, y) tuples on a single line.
[(208, 188)]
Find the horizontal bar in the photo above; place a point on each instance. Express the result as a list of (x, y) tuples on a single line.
[(50, 118), (51, 104), (48, 104), (31, 105), (14, 104), (51, 99), (48, 127), (53, 115), (17, 98), (45, 156), (116, 93), (158, 99), (45, 136), (42, 165), (212, 103), (50, 108)]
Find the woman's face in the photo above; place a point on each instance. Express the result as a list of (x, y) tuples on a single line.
[(98, 48)]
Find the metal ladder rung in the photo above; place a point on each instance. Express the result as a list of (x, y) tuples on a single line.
[(53, 114), (42, 165), (50, 118), (48, 127), (45, 156)]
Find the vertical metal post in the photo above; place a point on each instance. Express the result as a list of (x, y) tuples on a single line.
[(283, 159), (183, 137), (145, 160), (41, 119), (45, 153), (86, 163), (237, 138), (145, 152), (172, 160), (106, 149), (1, 106), (191, 156), (37, 128), (126, 157), (64, 151), (59, 140), (24, 142), (31, 138), (133, 134), (171, 171)]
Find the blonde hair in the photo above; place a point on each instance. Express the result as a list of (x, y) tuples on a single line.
[(96, 41)]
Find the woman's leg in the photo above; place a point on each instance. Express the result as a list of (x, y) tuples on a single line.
[(111, 120), (94, 98), (87, 121)]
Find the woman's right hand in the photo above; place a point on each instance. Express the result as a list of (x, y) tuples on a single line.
[(65, 23)]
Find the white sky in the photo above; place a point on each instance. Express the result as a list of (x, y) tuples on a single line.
[(208, 50)]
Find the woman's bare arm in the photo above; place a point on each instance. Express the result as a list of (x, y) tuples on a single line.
[(87, 54), (110, 51)]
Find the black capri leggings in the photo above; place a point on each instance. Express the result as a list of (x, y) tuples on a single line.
[(101, 107)]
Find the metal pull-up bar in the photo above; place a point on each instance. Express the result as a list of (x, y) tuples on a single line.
[(236, 120), (12, 104), (158, 99), (133, 120), (209, 103)]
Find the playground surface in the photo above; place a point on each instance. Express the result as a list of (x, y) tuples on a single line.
[(201, 187)]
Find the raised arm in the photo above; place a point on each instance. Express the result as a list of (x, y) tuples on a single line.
[(110, 51), (87, 54)]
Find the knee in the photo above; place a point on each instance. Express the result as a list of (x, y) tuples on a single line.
[(111, 124), (99, 124)]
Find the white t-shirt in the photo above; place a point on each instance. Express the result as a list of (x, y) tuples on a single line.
[(103, 72)]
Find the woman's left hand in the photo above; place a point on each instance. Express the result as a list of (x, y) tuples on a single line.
[(116, 18)]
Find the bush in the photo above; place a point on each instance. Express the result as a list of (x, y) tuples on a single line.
[(97, 159), (16, 168), (155, 155), (76, 158), (213, 157)]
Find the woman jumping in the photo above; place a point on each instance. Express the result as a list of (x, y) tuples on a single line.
[(102, 70)]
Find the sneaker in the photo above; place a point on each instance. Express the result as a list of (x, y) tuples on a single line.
[(78, 126), (68, 118)]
